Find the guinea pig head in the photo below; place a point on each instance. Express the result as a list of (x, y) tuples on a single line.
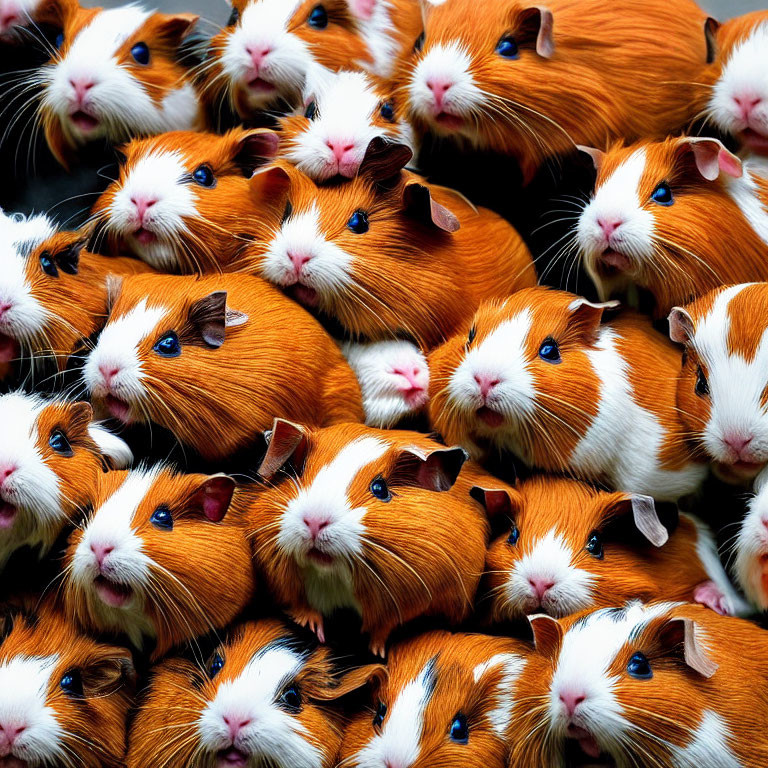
[(15, 15), (115, 74), (722, 391), (183, 202), (162, 555), (64, 697)]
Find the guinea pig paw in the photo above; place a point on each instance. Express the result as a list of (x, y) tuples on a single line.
[(709, 594), (312, 620), (378, 645)]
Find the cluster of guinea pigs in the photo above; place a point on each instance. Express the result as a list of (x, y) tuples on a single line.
[(309, 457)]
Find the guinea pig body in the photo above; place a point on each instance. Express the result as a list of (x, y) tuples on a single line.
[(538, 375), (355, 520), (447, 701), (64, 697), (217, 357), (262, 698), (571, 548), (656, 684), (407, 258), (578, 73), (51, 459), (183, 202), (148, 561), (115, 75), (678, 217)]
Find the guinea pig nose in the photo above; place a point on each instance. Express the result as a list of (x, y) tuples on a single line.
[(747, 104), (143, 204), (299, 259), (737, 442), (258, 53), (486, 383), (6, 472), (108, 371), (609, 225), (439, 87), (4, 307), (315, 525), (541, 586), (236, 724), (100, 552), (81, 86), (9, 18), (571, 701)]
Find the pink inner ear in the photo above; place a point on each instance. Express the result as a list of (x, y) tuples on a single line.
[(217, 496), (496, 503), (731, 165), (363, 9)]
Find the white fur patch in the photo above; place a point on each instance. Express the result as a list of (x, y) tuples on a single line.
[(751, 546), (746, 193), (500, 717), (378, 32), (710, 746)]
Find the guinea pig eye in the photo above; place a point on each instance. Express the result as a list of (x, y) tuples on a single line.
[(358, 222), (380, 489), (550, 351), (460, 729), (58, 441), (48, 265), (140, 53), (639, 667), (514, 535), (381, 713), (287, 212), (59, 41), (234, 17), (702, 385), (311, 110), (204, 176), (216, 665), (291, 699), (318, 18), (162, 518), (471, 335), (388, 111), (168, 346), (71, 683), (595, 545), (507, 47), (419, 44), (663, 194)]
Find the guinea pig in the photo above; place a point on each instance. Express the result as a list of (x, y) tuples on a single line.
[(148, 561), (540, 375), (64, 697), (343, 113), (115, 75), (384, 259), (263, 698), (721, 388), (394, 379), (183, 202), (677, 217), (659, 684), (215, 360), (51, 458), (364, 519), (529, 81), (446, 703), (750, 554), (569, 547), (17, 15)]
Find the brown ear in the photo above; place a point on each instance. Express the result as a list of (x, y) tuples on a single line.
[(213, 497), (681, 327), (541, 22), (646, 519), (175, 27), (109, 674), (113, 285), (498, 501), (596, 155), (711, 28), (54, 12), (433, 471), (686, 633), (271, 184), (418, 203), (587, 316), (80, 417), (254, 149), (383, 158), (210, 317), (547, 635), (353, 680), (711, 157), (285, 440)]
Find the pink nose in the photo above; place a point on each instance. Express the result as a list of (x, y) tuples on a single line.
[(411, 375), (258, 55), (571, 701), (9, 734), (439, 87), (142, 205), (4, 307), (100, 552), (81, 86), (299, 259), (737, 443), (10, 17), (340, 148), (236, 724), (108, 372), (5, 472), (747, 105), (486, 383), (315, 525), (609, 226), (540, 587)]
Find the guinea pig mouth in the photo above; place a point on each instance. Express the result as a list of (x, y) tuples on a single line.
[(489, 417), (449, 121), (231, 758), (611, 263), (305, 295), (757, 142), (260, 85), (13, 762), (84, 122), (7, 518), (118, 408), (738, 472), (113, 594), (585, 740), (9, 349), (145, 236), (321, 558)]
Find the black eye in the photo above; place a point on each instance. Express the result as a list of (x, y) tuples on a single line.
[(318, 18), (48, 265), (234, 17), (514, 535), (311, 110), (140, 53), (358, 222), (702, 385), (380, 489), (287, 212), (381, 713), (71, 683), (472, 334), (663, 194), (595, 545), (204, 176), (169, 345), (549, 351), (59, 40), (460, 729), (58, 441), (215, 666), (639, 667), (388, 111), (291, 699), (419, 44), (507, 47), (162, 518)]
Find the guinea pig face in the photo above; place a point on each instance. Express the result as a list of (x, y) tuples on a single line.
[(15, 14), (182, 199), (132, 565), (64, 698), (115, 75), (722, 392)]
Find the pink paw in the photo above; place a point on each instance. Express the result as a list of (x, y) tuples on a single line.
[(709, 594)]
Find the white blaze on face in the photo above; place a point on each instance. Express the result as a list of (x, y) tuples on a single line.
[(272, 734), (510, 668), (374, 20)]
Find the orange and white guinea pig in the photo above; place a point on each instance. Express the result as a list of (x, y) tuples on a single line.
[(529, 81), (569, 547), (214, 360), (364, 519), (447, 702), (183, 202), (265, 696), (261, 58), (51, 458), (657, 684), (401, 257), (540, 375), (64, 697), (677, 217), (115, 74), (148, 561), (750, 550)]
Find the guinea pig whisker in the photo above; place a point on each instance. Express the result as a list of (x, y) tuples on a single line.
[(381, 581)]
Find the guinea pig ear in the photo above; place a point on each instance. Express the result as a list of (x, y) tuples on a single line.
[(384, 158), (254, 149), (54, 12), (173, 28), (646, 519), (541, 23), (587, 315), (596, 155), (362, 9), (547, 634), (68, 259), (284, 441), (213, 497), (109, 674), (498, 502), (711, 28), (113, 285), (711, 157), (371, 674), (210, 318), (418, 203), (112, 448), (271, 184), (684, 633), (433, 471), (681, 328)]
